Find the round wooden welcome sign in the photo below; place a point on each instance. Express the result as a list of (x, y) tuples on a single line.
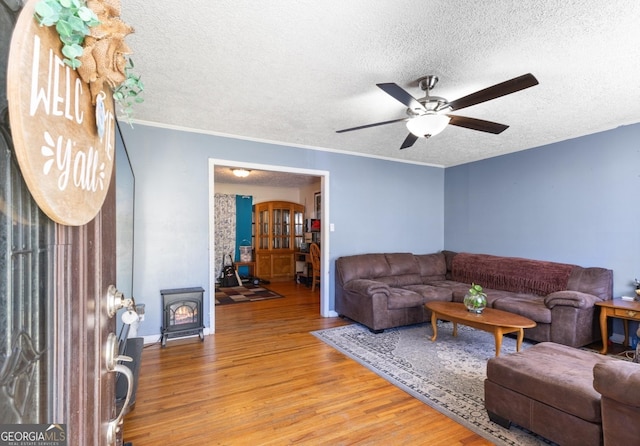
[(63, 142)]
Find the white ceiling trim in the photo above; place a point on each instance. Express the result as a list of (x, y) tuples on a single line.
[(278, 143)]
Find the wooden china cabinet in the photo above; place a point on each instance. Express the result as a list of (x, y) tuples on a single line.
[(279, 227)]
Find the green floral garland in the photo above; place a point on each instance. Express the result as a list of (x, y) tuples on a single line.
[(73, 20)]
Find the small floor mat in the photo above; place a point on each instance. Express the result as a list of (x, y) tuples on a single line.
[(244, 293)]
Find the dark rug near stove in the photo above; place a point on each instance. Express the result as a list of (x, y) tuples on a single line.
[(244, 293)]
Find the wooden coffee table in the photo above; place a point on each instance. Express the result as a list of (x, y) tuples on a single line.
[(491, 320)]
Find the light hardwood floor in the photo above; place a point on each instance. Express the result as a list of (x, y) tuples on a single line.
[(263, 379)]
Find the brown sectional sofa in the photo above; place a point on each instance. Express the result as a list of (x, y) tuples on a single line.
[(390, 289)]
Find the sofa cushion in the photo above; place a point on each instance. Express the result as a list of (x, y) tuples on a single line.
[(554, 374), (448, 258), (402, 263), (458, 289), (432, 266), (400, 280), (431, 293), (401, 298), (362, 266), (495, 295), (525, 305)]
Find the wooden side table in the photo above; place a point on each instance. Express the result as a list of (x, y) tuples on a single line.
[(622, 309)]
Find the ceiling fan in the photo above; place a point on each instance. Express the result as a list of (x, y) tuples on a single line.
[(429, 116)]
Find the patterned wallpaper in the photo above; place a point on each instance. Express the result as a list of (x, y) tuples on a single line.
[(224, 229)]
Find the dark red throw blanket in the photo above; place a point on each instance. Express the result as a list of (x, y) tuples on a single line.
[(511, 273)]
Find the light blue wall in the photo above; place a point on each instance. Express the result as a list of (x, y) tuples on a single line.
[(375, 205), (575, 201)]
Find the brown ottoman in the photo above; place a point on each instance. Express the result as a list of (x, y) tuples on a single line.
[(548, 389)]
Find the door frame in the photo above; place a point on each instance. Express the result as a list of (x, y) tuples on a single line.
[(324, 229)]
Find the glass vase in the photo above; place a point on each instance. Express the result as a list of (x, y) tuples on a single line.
[(475, 303)]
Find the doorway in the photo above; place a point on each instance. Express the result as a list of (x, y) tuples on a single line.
[(324, 238)]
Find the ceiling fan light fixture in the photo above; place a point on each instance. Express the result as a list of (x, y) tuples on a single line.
[(427, 125), (241, 173)]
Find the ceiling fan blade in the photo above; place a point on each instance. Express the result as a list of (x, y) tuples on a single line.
[(496, 91), (372, 125), (409, 141), (477, 124), (399, 94)]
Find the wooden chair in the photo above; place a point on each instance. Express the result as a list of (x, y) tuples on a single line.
[(314, 250)]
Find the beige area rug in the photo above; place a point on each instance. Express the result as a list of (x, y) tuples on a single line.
[(448, 374)]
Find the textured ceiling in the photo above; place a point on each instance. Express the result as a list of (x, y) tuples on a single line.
[(294, 72), (224, 174)]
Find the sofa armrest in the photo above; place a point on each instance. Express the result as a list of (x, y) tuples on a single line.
[(367, 287), (570, 298), (619, 381)]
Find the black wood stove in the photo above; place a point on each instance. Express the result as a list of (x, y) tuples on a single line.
[(182, 309)]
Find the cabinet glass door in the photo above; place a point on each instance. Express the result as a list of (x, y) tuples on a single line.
[(281, 228), (298, 229), (286, 228), (277, 228), (263, 229)]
